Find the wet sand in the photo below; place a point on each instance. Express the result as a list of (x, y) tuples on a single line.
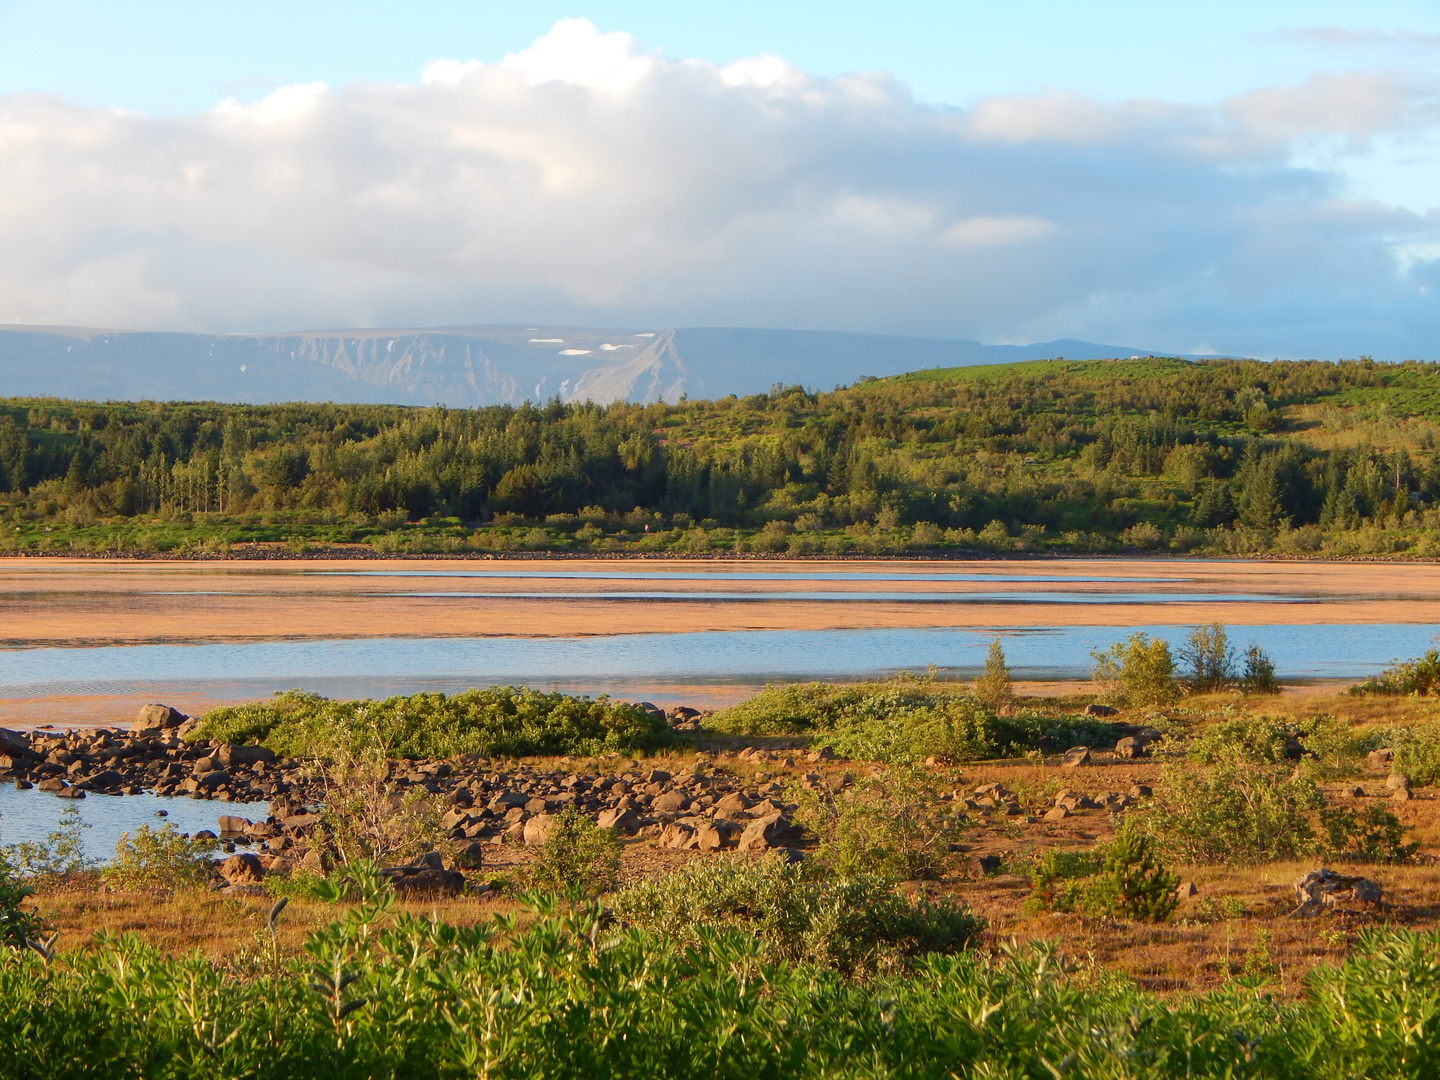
[(105, 602)]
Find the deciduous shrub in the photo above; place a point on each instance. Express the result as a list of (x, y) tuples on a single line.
[(904, 720), (365, 818), (798, 912), (18, 924), (1373, 836), (576, 855), (994, 686), (1122, 878), (1417, 751), (61, 854), (893, 824), (1420, 676), (496, 720), (1212, 662), (1233, 812), (159, 859), (1140, 670)]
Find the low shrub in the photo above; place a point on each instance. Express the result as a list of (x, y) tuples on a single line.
[(498, 720), (1330, 746), (1140, 671), (577, 855), (1376, 835), (902, 721), (366, 819), (797, 912), (1233, 812), (1420, 676), (1417, 751), (159, 859), (893, 824), (18, 924), (61, 854), (994, 686), (1122, 878)]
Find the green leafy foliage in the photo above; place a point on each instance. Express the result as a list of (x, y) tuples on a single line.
[(892, 823), (1233, 812), (159, 859), (576, 855), (1420, 676), (1078, 456), (18, 924), (902, 721), (60, 854), (994, 686), (798, 912), (1140, 670), (1122, 878), (497, 720), (1417, 750), (1376, 835)]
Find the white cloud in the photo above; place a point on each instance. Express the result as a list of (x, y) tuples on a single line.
[(585, 180)]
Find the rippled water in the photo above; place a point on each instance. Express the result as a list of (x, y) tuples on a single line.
[(30, 816), (376, 667)]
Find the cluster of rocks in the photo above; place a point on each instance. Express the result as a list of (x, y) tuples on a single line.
[(151, 756), (1068, 802), (1322, 889), (682, 718)]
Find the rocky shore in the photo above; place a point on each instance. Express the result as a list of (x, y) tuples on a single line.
[(486, 802)]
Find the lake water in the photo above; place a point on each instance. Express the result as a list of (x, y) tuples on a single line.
[(30, 816), (375, 667)]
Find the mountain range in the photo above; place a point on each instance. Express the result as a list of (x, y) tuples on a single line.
[(465, 366)]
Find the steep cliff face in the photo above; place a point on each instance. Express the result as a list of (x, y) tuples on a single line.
[(468, 366)]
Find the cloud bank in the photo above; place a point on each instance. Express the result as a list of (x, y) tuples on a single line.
[(584, 180)]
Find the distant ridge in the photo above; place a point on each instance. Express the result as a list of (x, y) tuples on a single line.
[(466, 366)]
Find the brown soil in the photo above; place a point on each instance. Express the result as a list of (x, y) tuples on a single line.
[(91, 602)]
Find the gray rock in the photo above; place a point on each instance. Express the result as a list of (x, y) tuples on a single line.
[(155, 718), (771, 831), (242, 869), (229, 755), (1075, 757), (1100, 710), (469, 857), (537, 830), (1131, 747), (15, 744), (622, 819), (671, 802), (443, 882)]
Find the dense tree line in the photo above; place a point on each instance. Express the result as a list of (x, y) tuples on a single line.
[(1051, 449)]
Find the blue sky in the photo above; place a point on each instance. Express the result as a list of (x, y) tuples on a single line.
[(1253, 178)]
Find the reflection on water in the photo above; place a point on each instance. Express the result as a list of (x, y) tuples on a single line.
[(30, 816), (739, 575), (353, 668), (875, 597)]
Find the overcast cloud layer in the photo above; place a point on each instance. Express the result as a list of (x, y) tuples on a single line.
[(586, 181)]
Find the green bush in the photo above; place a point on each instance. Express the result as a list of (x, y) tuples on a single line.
[(576, 855), (498, 720), (60, 854), (18, 925), (902, 721), (1140, 670), (1233, 812), (1330, 746), (1417, 751), (1374, 836), (797, 912), (160, 859), (1212, 662), (1420, 676), (893, 824), (1122, 878), (1259, 674), (994, 686)]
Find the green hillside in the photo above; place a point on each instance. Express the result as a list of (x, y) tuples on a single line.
[(1153, 454)]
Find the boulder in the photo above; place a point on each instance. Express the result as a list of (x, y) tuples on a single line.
[(1185, 890), (507, 800), (1380, 759), (52, 784), (232, 827), (712, 836), (1324, 888), (1100, 710), (1397, 782), (469, 857), (208, 781), (443, 882), (675, 836), (771, 831), (155, 718), (671, 802), (622, 819), (733, 802), (15, 744), (229, 755), (1131, 747), (242, 869), (1140, 791), (104, 780), (70, 793), (537, 830), (983, 865), (1058, 813), (1075, 757), (824, 753)]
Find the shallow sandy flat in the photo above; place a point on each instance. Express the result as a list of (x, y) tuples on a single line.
[(93, 602)]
